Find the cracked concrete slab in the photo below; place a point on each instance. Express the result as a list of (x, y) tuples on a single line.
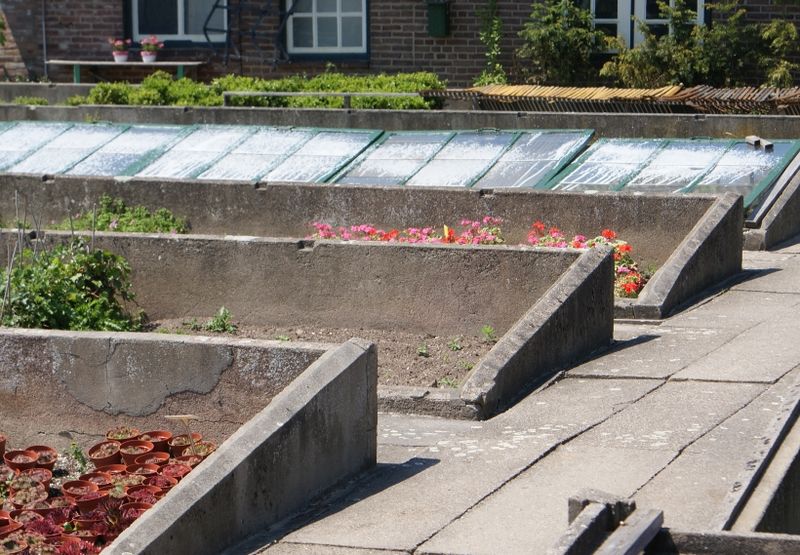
[(656, 352), (459, 470), (711, 468), (530, 513), (672, 416), (763, 353)]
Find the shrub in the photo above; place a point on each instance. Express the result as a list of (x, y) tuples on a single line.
[(490, 35), (110, 93), (31, 101), (115, 215), (729, 52), (561, 44), (69, 287)]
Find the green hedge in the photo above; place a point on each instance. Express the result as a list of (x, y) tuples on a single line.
[(160, 89)]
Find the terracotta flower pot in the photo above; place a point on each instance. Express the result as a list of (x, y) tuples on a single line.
[(7, 473), (143, 469), (40, 474), (156, 457), (166, 483), (113, 469), (134, 448), (145, 493), (159, 439), (20, 459), (175, 470), (62, 502), (102, 479), (30, 496), (25, 516), (123, 433), (178, 444), (105, 453), (190, 460), (91, 500), (78, 488), (47, 456)]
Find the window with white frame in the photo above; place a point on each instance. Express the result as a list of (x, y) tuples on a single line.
[(617, 18), (178, 19), (327, 27)]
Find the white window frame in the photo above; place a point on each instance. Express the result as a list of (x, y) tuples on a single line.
[(339, 14), (180, 35), (640, 12), (627, 29)]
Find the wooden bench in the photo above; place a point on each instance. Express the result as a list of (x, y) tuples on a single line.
[(178, 66)]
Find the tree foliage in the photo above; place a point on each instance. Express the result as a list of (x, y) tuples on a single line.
[(730, 51), (560, 44)]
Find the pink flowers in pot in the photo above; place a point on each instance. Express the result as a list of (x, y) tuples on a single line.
[(151, 44), (119, 45)]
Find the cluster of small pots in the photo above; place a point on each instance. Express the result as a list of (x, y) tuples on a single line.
[(132, 470)]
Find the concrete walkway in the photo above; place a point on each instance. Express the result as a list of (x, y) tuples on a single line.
[(680, 414)]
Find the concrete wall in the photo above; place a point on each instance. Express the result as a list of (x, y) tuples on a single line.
[(654, 224), (436, 289), (605, 125), (318, 431), (58, 386), (781, 222), (573, 319), (710, 253)]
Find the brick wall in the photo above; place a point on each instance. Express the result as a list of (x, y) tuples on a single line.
[(398, 40)]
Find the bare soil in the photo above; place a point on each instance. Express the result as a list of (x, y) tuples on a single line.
[(403, 358)]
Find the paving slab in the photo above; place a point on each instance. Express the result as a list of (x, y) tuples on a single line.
[(695, 489), (735, 309), (671, 417), (530, 513), (763, 353), (306, 549), (779, 275), (400, 509), (657, 352)]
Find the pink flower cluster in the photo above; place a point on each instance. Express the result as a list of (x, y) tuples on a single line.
[(119, 45)]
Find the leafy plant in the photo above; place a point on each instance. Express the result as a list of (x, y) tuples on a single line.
[(76, 453), (423, 351), (629, 279), (282, 338), (490, 36), (221, 322), (466, 365), (488, 333), (446, 382), (69, 287), (31, 101), (560, 44), (730, 52), (115, 215), (455, 344)]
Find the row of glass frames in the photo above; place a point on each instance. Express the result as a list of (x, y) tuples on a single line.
[(542, 159)]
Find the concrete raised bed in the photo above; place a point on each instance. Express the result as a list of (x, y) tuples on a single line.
[(782, 219), (554, 307), (694, 240), (298, 419)]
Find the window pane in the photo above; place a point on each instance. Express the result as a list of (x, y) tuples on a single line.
[(303, 6), (326, 6), (196, 12), (609, 29), (660, 30), (158, 17), (327, 31), (303, 36), (355, 6), (605, 9), (652, 11), (691, 4), (351, 32)]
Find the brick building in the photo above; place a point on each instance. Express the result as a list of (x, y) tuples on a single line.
[(264, 40)]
